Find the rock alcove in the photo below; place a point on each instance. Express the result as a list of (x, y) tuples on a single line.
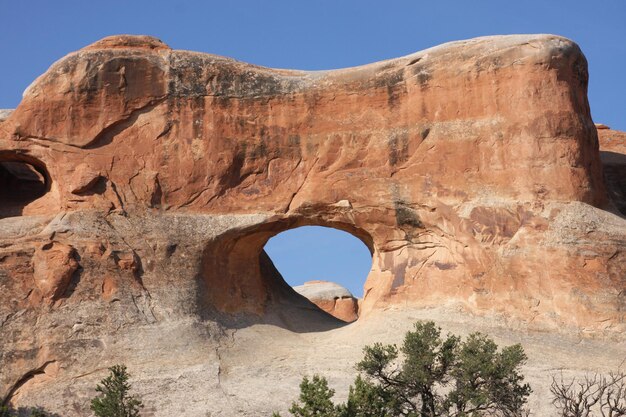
[(22, 181)]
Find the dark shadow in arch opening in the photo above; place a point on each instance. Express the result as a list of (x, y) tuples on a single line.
[(23, 179), (239, 285), (614, 171)]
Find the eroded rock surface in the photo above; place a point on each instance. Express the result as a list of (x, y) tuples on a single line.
[(471, 170), (5, 113), (53, 267)]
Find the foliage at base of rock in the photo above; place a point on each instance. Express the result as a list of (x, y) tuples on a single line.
[(428, 376), (114, 399)]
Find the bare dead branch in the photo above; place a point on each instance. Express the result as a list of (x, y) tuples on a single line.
[(591, 396)]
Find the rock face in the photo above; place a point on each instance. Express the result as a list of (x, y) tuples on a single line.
[(53, 267), (613, 157), (471, 170), (332, 298), (4, 114)]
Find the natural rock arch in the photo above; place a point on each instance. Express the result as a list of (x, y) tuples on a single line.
[(239, 277), (427, 153), (470, 169)]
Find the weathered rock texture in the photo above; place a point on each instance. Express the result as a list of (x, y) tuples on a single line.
[(332, 298), (471, 170), (4, 114)]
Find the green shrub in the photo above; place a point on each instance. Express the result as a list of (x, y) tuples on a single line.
[(114, 399), (428, 376)]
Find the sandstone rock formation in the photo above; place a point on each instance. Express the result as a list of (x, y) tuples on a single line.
[(4, 114), (139, 184), (332, 298), (613, 157)]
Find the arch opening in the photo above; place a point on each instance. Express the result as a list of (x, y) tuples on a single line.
[(23, 180), (328, 266), (240, 282)]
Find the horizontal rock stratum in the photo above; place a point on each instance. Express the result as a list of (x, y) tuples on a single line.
[(139, 185)]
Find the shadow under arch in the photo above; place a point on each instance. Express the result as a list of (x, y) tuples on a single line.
[(614, 171), (23, 179), (239, 283)]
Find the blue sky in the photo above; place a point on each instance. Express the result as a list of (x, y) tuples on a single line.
[(312, 35), (321, 253)]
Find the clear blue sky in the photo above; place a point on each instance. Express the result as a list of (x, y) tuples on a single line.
[(321, 253), (312, 35)]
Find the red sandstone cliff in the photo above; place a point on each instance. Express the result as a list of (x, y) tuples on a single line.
[(140, 184)]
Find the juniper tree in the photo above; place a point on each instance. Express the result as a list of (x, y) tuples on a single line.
[(442, 376), (428, 376), (315, 399), (114, 399)]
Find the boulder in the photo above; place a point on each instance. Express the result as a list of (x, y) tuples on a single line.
[(84, 179), (332, 298), (53, 266)]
